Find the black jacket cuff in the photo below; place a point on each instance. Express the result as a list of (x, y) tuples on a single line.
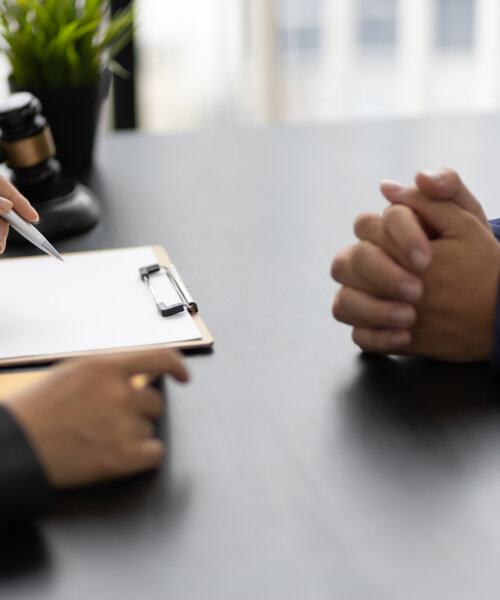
[(24, 489)]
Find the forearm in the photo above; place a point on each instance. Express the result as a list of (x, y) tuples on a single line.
[(24, 490)]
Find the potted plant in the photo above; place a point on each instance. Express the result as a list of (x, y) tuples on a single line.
[(62, 51)]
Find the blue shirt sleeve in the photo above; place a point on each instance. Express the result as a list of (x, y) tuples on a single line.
[(495, 226), (495, 354)]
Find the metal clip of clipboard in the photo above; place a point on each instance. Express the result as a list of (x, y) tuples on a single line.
[(171, 272)]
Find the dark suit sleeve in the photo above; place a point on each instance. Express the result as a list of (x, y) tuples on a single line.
[(24, 490), (495, 227), (495, 355)]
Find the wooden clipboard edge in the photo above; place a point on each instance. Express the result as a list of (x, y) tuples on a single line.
[(205, 341)]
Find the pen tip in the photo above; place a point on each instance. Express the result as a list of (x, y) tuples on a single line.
[(49, 248)]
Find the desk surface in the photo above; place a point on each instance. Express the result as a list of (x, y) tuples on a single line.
[(296, 467)]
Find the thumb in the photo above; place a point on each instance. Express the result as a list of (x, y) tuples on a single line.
[(445, 217), (445, 184)]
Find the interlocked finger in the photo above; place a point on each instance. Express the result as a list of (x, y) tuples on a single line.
[(410, 244), (373, 229), (382, 341), (367, 268), (360, 309)]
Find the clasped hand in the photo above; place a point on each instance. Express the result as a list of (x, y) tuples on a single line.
[(423, 279)]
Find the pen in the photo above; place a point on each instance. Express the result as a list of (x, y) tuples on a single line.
[(30, 233)]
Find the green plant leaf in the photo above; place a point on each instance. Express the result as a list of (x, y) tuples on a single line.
[(62, 42)]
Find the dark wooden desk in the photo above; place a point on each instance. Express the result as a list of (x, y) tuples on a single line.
[(296, 468)]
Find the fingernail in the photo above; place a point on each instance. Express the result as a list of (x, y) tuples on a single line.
[(5, 204), (419, 259), (410, 291), (37, 218), (402, 316), (436, 175), (397, 339), (391, 186)]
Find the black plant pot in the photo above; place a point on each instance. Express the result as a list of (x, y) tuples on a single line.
[(73, 115)]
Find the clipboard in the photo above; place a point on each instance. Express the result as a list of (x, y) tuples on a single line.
[(202, 340)]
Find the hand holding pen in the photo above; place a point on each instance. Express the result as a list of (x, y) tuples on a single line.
[(16, 210)]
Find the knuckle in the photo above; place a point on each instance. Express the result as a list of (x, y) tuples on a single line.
[(117, 454), (359, 338), (403, 228), (337, 306), (466, 221), (368, 340), (121, 396), (340, 264), (364, 224), (112, 387), (364, 256), (116, 460), (125, 427), (395, 213), (93, 364), (86, 367), (116, 393), (381, 341), (451, 175)]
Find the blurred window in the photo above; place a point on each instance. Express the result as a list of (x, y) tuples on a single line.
[(455, 20), (377, 22), (205, 63), (298, 27)]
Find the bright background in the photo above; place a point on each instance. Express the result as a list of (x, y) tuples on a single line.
[(209, 63), (212, 63)]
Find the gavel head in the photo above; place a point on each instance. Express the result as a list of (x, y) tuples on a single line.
[(26, 141)]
